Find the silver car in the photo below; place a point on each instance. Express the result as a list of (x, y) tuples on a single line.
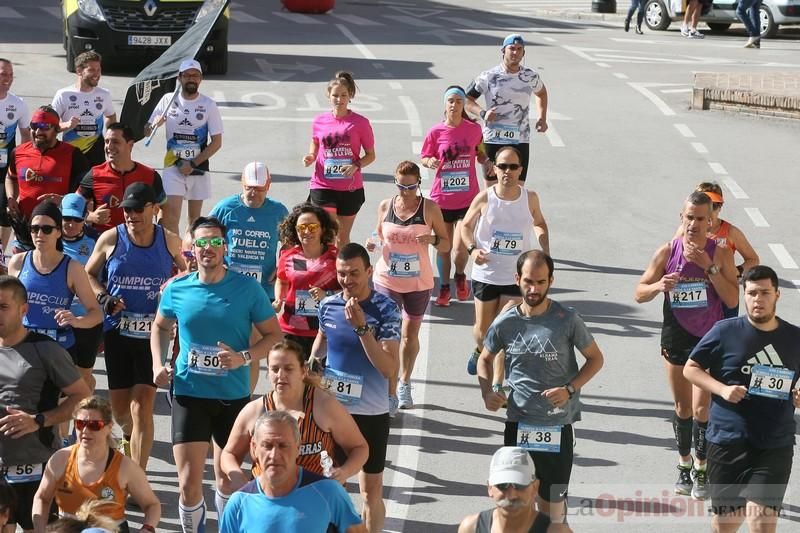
[(774, 13)]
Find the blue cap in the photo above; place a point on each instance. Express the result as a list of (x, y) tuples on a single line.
[(514, 38), (73, 205)]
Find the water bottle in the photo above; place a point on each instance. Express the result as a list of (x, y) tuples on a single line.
[(326, 463), (375, 240)]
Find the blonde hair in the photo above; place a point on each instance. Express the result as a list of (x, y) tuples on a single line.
[(102, 406), (90, 514)]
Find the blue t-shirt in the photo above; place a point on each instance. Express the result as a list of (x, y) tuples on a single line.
[(252, 237), (315, 505), (47, 294), (348, 368), (80, 250), (729, 351), (209, 313)]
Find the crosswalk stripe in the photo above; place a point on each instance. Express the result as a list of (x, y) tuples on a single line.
[(297, 17), (10, 13), (241, 16), (465, 23), (419, 23), (355, 19)]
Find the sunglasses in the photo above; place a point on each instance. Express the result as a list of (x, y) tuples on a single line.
[(508, 166), (188, 254), (311, 226), (91, 425), (41, 126), (215, 242), (72, 219), (505, 486), (407, 187), (46, 229), (138, 210)]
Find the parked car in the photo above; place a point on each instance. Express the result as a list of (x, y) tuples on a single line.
[(138, 31), (774, 13)]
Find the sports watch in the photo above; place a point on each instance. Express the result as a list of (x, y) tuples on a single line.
[(570, 390)]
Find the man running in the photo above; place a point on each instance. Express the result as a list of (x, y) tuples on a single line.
[(539, 337), (215, 309), (697, 277)]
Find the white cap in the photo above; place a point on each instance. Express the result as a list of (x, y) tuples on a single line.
[(188, 64), (256, 174), (511, 464)]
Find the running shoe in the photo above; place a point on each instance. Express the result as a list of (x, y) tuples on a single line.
[(627, 24), (472, 364), (405, 401), (684, 484), (462, 289), (639, 30), (694, 34), (443, 300), (394, 404), (685, 31), (753, 42), (699, 487)]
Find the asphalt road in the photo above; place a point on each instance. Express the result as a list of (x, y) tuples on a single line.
[(622, 152)]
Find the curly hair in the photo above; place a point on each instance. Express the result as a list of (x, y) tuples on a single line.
[(288, 233)]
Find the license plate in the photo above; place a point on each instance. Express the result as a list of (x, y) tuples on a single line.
[(149, 40)]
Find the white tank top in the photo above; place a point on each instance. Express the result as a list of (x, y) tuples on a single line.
[(506, 230)]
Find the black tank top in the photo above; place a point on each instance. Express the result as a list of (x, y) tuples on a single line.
[(485, 518), (417, 218)]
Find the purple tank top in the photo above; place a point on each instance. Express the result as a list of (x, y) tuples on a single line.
[(694, 302)]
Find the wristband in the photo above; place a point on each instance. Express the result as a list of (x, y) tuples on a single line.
[(148, 527), (436, 240)]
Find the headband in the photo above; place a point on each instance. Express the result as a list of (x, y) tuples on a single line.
[(456, 91), (46, 117)]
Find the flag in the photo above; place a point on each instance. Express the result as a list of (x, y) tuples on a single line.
[(160, 76)]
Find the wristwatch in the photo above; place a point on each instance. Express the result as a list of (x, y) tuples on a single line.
[(247, 357), (482, 114), (570, 390), (362, 330), (712, 270), (39, 419), (471, 248)]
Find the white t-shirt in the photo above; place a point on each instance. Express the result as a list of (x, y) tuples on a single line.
[(91, 108), (13, 111), (189, 126)]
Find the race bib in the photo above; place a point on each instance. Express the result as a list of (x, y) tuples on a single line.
[(251, 271), (3, 157), (539, 438), (204, 360), (506, 243), (87, 126), (455, 181), (23, 473), (334, 167), (771, 382), (504, 134), (136, 325), (346, 387), (186, 151), (305, 304), (689, 295), (404, 265)]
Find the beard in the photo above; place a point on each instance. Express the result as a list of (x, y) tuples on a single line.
[(190, 87), (763, 319)]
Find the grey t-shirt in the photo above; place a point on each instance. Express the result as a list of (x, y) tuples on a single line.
[(32, 375), (540, 355)]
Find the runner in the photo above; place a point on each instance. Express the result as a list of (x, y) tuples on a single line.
[(104, 185), (93, 469), (14, 115), (750, 365), (216, 310), (190, 121), (306, 271), (337, 139), (325, 425), (697, 279), (507, 90), (83, 108), (127, 268), (500, 224), (450, 148), (407, 225), (34, 372), (359, 336), (539, 337)]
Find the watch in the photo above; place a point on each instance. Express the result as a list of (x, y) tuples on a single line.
[(362, 330), (471, 248), (246, 356), (570, 389), (712, 270), (482, 114), (39, 419)]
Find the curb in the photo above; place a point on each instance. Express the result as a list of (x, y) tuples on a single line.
[(577, 15), (753, 93)]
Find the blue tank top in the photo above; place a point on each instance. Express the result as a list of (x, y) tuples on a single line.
[(47, 293), (136, 273), (80, 250)]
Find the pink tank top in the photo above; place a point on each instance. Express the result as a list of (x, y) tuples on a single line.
[(404, 265)]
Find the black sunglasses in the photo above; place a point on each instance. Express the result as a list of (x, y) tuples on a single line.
[(46, 229), (508, 166), (505, 486), (138, 210)]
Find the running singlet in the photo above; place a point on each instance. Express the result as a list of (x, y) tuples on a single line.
[(208, 313), (79, 250), (510, 95), (47, 293), (135, 274), (721, 236), (315, 505), (506, 230), (693, 302), (300, 309), (72, 492), (404, 265), (485, 519), (340, 142), (189, 125), (252, 237), (358, 385), (13, 111), (91, 108), (456, 182)]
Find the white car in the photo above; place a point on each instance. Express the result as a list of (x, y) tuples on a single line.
[(658, 14)]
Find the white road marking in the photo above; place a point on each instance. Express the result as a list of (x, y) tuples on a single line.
[(355, 19), (603, 65), (416, 149), (642, 88), (755, 215), (684, 130), (782, 255), (700, 148), (10, 13), (241, 16), (549, 39), (412, 114), (717, 168), (620, 75), (672, 91), (52, 10), (358, 44), (796, 284), (396, 85), (298, 18), (737, 191)]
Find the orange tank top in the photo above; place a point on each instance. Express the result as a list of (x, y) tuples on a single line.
[(721, 236), (71, 491), (312, 439)]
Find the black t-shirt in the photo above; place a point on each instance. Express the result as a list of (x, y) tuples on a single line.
[(729, 352)]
